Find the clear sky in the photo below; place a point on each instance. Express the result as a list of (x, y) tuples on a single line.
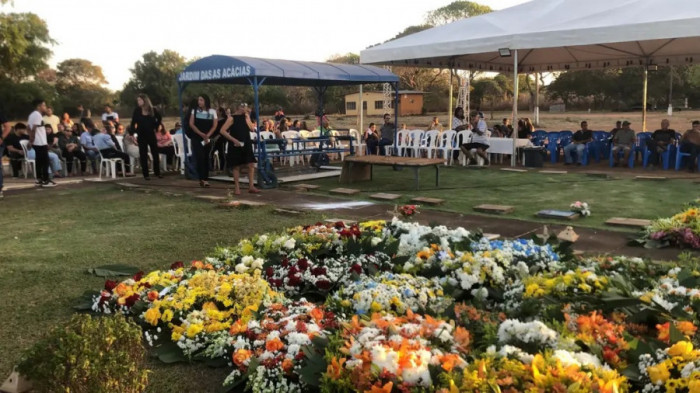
[(114, 34)]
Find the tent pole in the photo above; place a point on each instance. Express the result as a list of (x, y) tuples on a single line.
[(513, 157), (670, 91), (644, 99), (396, 117), (257, 122), (362, 115), (449, 107), (537, 98), (182, 126)]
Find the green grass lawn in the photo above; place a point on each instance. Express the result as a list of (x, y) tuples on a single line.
[(530, 192), (49, 238)]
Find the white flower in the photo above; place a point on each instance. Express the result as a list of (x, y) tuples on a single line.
[(241, 268), (290, 244), (257, 264), (376, 240)]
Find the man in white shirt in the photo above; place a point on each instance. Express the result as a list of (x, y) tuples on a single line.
[(110, 115), (37, 139), (479, 142), (51, 120)]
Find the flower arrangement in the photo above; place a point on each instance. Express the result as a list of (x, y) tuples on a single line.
[(681, 230), (673, 369), (580, 208), (389, 352)]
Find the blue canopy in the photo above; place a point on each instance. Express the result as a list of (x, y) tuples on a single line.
[(241, 71)]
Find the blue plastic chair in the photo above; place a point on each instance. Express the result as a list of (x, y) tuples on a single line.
[(680, 155), (666, 156), (553, 146), (538, 137), (630, 162), (600, 147)]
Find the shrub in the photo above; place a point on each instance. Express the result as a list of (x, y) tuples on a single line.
[(93, 355)]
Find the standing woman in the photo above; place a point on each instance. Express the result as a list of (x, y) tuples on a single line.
[(145, 121), (240, 147), (203, 120)]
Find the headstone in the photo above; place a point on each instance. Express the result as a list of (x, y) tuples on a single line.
[(628, 222), (306, 187), (385, 197), (344, 221), (514, 170), (568, 235), (288, 212), (567, 215), (492, 236), (650, 178), (344, 191), (428, 201), (553, 172), (497, 209), (211, 198), (15, 383)]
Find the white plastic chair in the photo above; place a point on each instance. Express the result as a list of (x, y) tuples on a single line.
[(445, 144), (431, 140), (290, 136), (27, 162), (178, 144), (401, 143), (462, 138), (110, 166), (415, 138), (358, 144), (338, 144)]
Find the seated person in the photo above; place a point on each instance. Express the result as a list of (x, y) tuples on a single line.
[(525, 128), (52, 138), (435, 125), (165, 145), (110, 115), (581, 138), (70, 149), (479, 142), (690, 144), (23, 134), (177, 129), (660, 141), (623, 140), (14, 148), (106, 146), (460, 122), (505, 129), (295, 126), (131, 146), (88, 144), (371, 135), (384, 138), (120, 129)]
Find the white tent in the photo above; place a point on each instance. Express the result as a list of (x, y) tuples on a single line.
[(554, 35)]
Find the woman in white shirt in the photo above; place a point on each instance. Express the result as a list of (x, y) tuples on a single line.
[(460, 122)]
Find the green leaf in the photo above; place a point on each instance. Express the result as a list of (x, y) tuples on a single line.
[(84, 302), (169, 353), (675, 334), (113, 270)]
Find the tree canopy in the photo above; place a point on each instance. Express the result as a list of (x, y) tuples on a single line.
[(155, 75), (24, 41), (455, 11)]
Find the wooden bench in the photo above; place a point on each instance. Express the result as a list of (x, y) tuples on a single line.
[(358, 168)]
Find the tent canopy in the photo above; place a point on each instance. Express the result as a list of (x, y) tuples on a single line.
[(241, 71), (556, 35)]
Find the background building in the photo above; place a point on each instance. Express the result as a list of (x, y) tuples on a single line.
[(410, 103)]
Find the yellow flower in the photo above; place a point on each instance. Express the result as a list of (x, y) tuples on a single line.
[(533, 290), (658, 373), (376, 307), (167, 315), (152, 315), (194, 329), (681, 348), (346, 303), (694, 386)]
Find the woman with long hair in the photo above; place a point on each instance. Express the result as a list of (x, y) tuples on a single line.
[(145, 121), (219, 144), (240, 147), (203, 121), (165, 145)]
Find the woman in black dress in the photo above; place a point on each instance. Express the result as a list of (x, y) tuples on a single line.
[(145, 121), (202, 124), (240, 147)]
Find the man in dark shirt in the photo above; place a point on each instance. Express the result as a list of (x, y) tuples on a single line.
[(4, 132), (581, 137), (660, 141), (690, 144), (14, 147), (386, 134)]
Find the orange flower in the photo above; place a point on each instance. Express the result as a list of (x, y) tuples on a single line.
[(317, 314), (687, 328), (197, 264), (664, 332), (274, 345), (121, 289), (335, 369), (384, 389), (287, 365), (462, 338), (449, 361), (153, 295), (240, 356), (238, 327)]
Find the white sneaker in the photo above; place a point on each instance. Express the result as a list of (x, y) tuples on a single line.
[(49, 183)]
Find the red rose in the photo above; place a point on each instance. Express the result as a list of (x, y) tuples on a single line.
[(131, 300), (110, 285), (270, 271), (319, 271), (285, 262), (303, 264), (177, 265), (138, 276), (301, 327), (292, 271), (323, 284), (356, 268), (339, 225), (294, 281)]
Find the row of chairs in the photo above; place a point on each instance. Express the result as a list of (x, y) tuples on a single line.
[(602, 146), (418, 143)]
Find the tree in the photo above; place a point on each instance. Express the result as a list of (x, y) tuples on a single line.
[(24, 38), (155, 75), (455, 11), (411, 30), (79, 73)]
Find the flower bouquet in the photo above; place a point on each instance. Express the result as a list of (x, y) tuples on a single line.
[(580, 208)]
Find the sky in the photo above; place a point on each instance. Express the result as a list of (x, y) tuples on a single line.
[(115, 34)]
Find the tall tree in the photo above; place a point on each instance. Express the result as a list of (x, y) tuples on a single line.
[(79, 82), (24, 41), (455, 11), (155, 74), (80, 72)]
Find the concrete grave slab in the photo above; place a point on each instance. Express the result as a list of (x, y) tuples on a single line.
[(560, 214), (428, 201), (344, 191), (497, 209), (628, 222), (385, 197)]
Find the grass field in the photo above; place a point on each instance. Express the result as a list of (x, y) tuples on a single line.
[(463, 188), (49, 239)]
